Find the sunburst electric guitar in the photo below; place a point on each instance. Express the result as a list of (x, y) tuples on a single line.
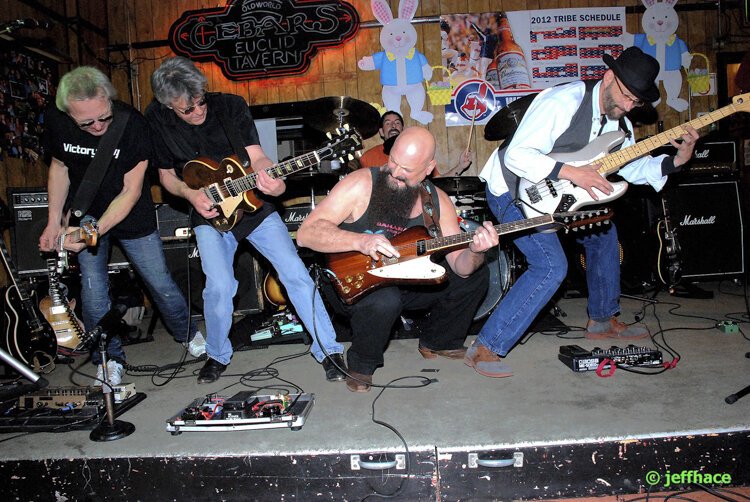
[(231, 189), (355, 274), (548, 196)]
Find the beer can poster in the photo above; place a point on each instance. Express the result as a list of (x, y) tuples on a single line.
[(494, 58)]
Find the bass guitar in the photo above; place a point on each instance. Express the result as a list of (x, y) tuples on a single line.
[(548, 196), (231, 188), (59, 313), (355, 274), (28, 337)]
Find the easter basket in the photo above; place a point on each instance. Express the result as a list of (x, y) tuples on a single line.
[(698, 78), (441, 90)]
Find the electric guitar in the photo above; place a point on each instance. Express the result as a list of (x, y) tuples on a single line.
[(669, 264), (355, 274), (230, 188), (28, 337), (59, 313), (549, 196)]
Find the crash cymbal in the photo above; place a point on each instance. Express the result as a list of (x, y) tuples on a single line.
[(326, 114), (505, 122), (456, 185)]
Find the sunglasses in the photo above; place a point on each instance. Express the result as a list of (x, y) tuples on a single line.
[(636, 102), (190, 109)]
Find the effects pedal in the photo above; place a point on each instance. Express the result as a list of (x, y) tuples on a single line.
[(579, 359)]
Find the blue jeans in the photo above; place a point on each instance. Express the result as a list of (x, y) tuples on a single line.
[(271, 239), (146, 255), (547, 267)]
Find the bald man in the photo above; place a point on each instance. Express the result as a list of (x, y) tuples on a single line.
[(362, 213)]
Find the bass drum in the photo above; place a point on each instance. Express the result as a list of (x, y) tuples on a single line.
[(501, 274)]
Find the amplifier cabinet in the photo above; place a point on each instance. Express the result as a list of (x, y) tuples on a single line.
[(712, 161), (707, 219)]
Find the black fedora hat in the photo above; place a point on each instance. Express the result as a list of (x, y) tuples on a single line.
[(637, 71)]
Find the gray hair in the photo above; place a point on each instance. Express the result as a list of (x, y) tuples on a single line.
[(176, 78), (85, 82)]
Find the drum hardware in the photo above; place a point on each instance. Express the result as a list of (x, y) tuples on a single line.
[(326, 114), (459, 185)]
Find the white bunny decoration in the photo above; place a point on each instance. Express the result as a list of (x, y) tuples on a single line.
[(660, 41), (402, 68)]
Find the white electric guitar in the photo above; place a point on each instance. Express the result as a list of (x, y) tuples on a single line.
[(548, 196)]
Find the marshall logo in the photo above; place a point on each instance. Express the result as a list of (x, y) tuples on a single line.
[(293, 217), (263, 38), (702, 155), (689, 220)]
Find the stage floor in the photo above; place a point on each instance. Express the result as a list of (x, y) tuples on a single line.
[(543, 404)]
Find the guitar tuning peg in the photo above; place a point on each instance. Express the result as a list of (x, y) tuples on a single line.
[(346, 127), (329, 135), (350, 157)]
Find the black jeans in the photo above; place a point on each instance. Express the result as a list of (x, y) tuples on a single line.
[(451, 306)]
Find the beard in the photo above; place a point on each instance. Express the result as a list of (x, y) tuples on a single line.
[(391, 204), (611, 110)]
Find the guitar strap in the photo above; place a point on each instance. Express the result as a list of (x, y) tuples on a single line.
[(99, 165), (426, 190)]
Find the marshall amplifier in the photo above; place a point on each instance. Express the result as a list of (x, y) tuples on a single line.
[(293, 217), (712, 160), (707, 219), (173, 224)]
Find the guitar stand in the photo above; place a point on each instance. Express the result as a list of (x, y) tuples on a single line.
[(733, 398), (111, 429)]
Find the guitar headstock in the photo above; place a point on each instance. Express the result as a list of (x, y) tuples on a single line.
[(574, 220), (742, 102), (343, 144)]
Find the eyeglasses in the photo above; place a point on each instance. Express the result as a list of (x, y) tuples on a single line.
[(636, 102), (190, 109), (89, 123)]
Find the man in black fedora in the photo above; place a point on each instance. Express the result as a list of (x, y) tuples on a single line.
[(560, 119)]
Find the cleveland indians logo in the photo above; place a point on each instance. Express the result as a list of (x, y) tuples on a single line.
[(474, 100)]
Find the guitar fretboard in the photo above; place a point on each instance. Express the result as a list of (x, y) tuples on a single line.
[(612, 162), (250, 181)]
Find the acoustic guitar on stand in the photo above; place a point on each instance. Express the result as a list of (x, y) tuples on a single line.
[(552, 196), (231, 189), (354, 274)]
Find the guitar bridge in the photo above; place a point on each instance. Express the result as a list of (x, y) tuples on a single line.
[(533, 193)]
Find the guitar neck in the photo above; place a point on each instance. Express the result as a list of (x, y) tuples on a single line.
[(611, 163), (249, 181), (10, 266), (464, 238)]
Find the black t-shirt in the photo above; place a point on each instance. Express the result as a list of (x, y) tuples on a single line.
[(175, 142), (76, 148)]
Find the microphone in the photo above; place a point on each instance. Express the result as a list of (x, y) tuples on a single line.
[(110, 323)]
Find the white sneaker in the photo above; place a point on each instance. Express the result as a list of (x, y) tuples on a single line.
[(114, 371), (197, 346)]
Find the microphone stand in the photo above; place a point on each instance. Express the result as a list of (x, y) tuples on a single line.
[(733, 398), (112, 429), (37, 382)]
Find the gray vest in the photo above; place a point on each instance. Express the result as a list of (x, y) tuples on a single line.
[(575, 137)]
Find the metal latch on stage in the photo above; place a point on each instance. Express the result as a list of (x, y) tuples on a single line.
[(516, 461), (398, 463)]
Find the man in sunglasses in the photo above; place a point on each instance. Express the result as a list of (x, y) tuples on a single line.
[(560, 119), (188, 123), (85, 110)]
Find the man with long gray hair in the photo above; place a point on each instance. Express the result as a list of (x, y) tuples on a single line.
[(79, 125), (188, 123)]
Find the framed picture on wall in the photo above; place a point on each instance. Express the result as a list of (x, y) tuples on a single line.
[(26, 89)]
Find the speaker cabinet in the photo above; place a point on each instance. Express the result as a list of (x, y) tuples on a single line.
[(183, 258), (707, 218), (28, 208)]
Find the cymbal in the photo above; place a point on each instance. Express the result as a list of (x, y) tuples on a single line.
[(505, 122), (453, 185), (326, 114)]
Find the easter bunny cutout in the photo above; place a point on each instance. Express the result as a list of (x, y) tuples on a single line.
[(402, 67), (660, 41)]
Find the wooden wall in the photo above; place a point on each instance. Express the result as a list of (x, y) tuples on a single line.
[(85, 29)]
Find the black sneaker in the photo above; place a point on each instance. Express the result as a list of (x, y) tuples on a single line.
[(334, 367), (211, 371)]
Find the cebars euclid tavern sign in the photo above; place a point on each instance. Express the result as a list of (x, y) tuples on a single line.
[(263, 38)]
